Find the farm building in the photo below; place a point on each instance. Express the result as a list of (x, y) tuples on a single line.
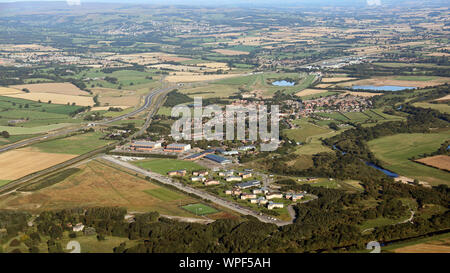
[(230, 152), (233, 178), (177, 148), (211, 183), (271, 205), (145, 145), (226, 173), (218, 159), (247, 148), (177, 173), (246, 196), (274, 195), (245, 175), (249, 184), (198, 178), (78, 227)]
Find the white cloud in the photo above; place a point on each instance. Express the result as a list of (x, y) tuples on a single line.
[(373, 2), (74, 2)]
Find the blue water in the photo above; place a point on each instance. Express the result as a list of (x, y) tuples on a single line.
[(382, 88), (283, 83), (388, 173)]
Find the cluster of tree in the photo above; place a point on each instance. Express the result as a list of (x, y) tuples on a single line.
[(175, 98)]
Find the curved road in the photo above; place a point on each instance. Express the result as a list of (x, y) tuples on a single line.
[(148, 102)]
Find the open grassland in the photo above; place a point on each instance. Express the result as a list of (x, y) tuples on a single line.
[(309, 91), (305, 130), (57, 88), (163, 166), (261, 84), (200, 209), (441, 107), (4, 182), (211, 91), (197, 77), (97, 184), (337, 79), (8, 104), (392, 80), (310, 137), (18, 163), (395, 151), (8, 91), (229, 52), (434, 244), (55, 98), (32, 130), (439, 161), (74, 145)]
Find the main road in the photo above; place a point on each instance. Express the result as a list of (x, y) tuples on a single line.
[(147, 104), (202, 194)]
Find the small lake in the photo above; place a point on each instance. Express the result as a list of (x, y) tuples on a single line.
[(386, 172), (382, 88), (283, 83)]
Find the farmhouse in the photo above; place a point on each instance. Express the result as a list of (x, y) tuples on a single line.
[(198, 178), (246, 196), (226, 173), (177, 173), (78, 227), (249, 184), (211, 183), (294, 197), (144, 145), (247, 148), (245, 175), (233, 178), (273, 195), (230, 152), (177, 148), (271, 205), (263, 190), (200, 173), (218, 159)]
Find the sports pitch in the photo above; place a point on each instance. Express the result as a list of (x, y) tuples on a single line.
[(200, 209)]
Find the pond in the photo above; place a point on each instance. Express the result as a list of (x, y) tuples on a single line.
[(382, 88), (283, 83)]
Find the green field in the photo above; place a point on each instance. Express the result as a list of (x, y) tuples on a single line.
[(163, 166), (76, 145), (32, 130), (395, 151), (200, 209), (164, 194), (4, 182), (262, 82), (441, 107), (305, 131)]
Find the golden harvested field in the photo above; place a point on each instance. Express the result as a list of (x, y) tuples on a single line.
[(98, 184), (22, 47), (198, 78), (363, 94), (170, 58), (229, 52), (323, 85), (216, 65), (18, 163), (381, 81), (8, 91), (439, 246), (119, 101), (55, 98), (337, 79), (308, 91), (439, 161), (443, 98), (57, 88)]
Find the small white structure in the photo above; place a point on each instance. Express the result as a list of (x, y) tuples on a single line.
[(78, 227)]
